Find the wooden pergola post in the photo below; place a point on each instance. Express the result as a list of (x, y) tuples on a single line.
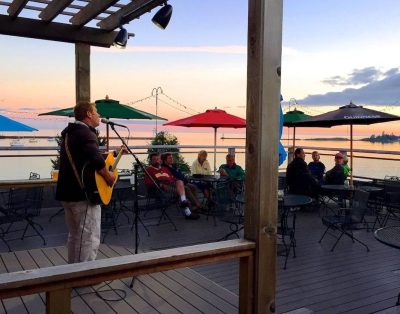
[(82, 72), (262, 138)]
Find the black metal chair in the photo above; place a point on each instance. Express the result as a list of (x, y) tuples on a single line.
[(24, 204), (286, 231), (391, 201), (347, 219), (156, 200), (228, 206)]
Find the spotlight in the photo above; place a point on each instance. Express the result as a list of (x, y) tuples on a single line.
[(162, 17), (121, 39)]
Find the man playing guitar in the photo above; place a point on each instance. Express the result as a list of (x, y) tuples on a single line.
[(79, 146)]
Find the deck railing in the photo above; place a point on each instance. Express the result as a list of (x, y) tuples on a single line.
[(57, 281)]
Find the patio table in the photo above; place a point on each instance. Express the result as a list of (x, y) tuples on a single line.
[(389, 236), (336, 193), (296, 201)]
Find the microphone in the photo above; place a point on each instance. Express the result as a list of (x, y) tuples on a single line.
[(106, 121)]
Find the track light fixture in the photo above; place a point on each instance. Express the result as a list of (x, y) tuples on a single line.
[(162, 17), (121, 39)]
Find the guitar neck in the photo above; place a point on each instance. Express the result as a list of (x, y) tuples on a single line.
[(117, 160)]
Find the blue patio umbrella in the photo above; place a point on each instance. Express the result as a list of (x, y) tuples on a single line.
[(9, 125), (282, 152)]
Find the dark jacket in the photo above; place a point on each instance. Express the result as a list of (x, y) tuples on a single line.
[(84, 148), (299, 179), (176, 172), (317, 169), (335, 176)]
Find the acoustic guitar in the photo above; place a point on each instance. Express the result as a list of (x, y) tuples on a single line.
[(96, 189)]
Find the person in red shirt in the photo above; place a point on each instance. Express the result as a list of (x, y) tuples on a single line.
[(165, 180)]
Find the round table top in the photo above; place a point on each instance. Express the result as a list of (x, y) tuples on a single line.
[(389, 236), (293, 200), (209, 178), (336, 187), (371, 189)]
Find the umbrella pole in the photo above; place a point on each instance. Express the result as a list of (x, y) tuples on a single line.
[(108, 139), (351, 155), (294, 138), (215, 150)]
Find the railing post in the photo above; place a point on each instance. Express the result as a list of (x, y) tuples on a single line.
[(246, 290), (58, 301), (262, 142)]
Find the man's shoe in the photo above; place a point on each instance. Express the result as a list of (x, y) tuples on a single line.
[(184, 204), (192, 216)]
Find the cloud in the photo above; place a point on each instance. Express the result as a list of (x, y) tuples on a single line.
[(378, 92), (357, 77), (27, 109)]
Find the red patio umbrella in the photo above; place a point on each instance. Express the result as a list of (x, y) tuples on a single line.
[(214, 118)]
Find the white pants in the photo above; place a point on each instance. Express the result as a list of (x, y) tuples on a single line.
[(84, 234)]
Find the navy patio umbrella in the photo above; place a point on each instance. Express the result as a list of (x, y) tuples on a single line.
[(350, 114)]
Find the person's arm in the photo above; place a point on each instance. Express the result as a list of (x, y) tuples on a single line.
[(107, 176), (222, 171), (240, 173), (207, 168)]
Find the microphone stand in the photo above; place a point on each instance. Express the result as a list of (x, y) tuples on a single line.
[(136, 202)]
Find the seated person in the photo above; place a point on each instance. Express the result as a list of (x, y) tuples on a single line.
[(346, 167), (234, 171), (202, 166), (299, 178), (316, 167), (164, 178), (231, 169), (190, 189), (336, 176)]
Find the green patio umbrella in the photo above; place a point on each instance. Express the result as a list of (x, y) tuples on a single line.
[(109, 108), (291, 118)]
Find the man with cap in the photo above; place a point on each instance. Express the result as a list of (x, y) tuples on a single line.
[(336, 176)]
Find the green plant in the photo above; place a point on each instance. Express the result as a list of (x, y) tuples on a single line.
[(165, 138)]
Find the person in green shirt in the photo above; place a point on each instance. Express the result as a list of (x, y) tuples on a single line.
[(231, 169), (346, 167)]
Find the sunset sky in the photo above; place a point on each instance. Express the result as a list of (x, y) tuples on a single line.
[(334, 51)]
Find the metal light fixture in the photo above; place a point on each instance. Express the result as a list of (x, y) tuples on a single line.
[(162, 17), (121, 39)]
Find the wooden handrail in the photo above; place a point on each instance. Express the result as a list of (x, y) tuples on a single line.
[(64, 277)]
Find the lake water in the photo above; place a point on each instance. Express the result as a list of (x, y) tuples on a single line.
[(18, 167)]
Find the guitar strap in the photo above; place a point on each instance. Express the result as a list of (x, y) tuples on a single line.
[(72, 163)]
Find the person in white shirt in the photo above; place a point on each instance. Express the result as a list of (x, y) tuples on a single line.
[(201, 164)]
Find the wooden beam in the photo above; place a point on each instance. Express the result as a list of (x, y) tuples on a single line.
[(16, 7), (30, 28), (53, 9), (88, 273), (82, 72), (131, 11), (90, 11), (262, 139), (246, 286), (58, 302)]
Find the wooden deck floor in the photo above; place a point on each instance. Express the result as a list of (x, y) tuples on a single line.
[(348, 280), (178, 291)]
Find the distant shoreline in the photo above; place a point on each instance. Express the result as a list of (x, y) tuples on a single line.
[(4, 137)]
